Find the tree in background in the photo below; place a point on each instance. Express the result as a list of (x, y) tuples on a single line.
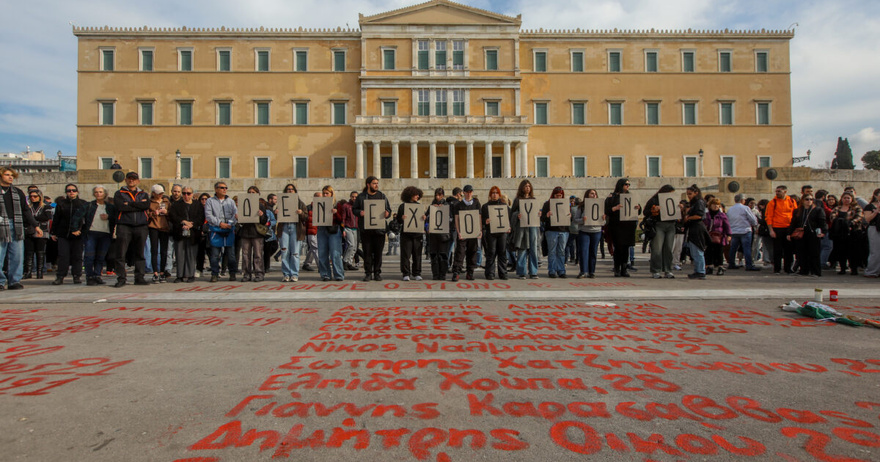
[(871, 160), (843, 157)]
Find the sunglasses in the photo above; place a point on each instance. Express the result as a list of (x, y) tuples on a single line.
[(808, 199), (626, 184), (221, 187), (34, 196), (187, 193), (71, 190)]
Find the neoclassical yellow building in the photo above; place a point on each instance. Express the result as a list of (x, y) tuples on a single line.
[(438, 89)]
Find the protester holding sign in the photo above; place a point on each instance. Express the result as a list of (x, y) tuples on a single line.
[(661, 211), (439, 234), (496, 228), (253, 235), (372, 236), (329, 237), (556, 216), (525, 231), (290, 234), (589, 217), (623, 233), (411, 218), (469, 231), (221, 215)]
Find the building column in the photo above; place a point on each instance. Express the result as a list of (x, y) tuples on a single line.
[(505, 161), (377, 159), (432, 149), (470, 159), (413, 159), (487, 160), (451, 153), (359, 161), (395, 159), (524, 154)]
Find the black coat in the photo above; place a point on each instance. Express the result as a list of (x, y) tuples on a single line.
[(69, 217), (623, 233), (179, 212)]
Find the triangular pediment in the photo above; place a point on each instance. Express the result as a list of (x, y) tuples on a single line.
[(439, 12)]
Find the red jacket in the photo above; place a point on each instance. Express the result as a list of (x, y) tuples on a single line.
[(311, 229)]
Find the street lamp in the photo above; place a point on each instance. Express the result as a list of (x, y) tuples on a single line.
[(177, 176), (701, 162)]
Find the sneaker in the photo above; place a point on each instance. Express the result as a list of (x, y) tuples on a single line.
[(581, 275), (294, 279), (119, 283), (534, 276), (198, 274), (57, 282), (231, 277), (503, 277), (99, 281), (562, 276), (215, 278), (191, 279), (16, 286), (490, 277), (368, 277), (669, 275), (677, 267), (77, 280), (178, 280), (325, 279), (285, 279), (655, 275), (552, 275), (418, 278), (91, 282), (377, 277), (720, 271), (521, 276), (696, 276), (406, 278), (258, 278), (469, 276), (591, 276), (155, 279), (455, 278), (245, 278), (141, 282)]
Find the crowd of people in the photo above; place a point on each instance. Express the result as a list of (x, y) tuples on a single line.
[(170, 236)]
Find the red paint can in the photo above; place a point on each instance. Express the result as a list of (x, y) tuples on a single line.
[(832, 296)]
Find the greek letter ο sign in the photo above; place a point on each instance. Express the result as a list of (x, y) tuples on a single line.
[(668, 206), (469, 224), (249, 209), (594, 210)]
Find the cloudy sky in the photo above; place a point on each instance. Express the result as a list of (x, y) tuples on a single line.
[(835, 53)]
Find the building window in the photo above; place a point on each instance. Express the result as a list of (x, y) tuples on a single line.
[(458, 54), (690, 166), (491, 60), (616, 166), (689, 113), (388, 59), (615, 113), (440, 54), (184, 113), (104, 163), (540, 113), (728, 166), (652, 113), (541, 166), (579, 167), (423, 102), (108, 59), (724, 61), (389, 108), (186, 170), (224, 167), (146, 112), (440, 103), (761, 61), (422, 55), (339, 111), (651, 61), (458, 102), (540, 61), (338, 60), (184, 59), (107, 110), (301, 113), (146, 59), (339, 167), (763, 161), (492, 108), (224, 113), (224, 60), (261, 58), (146, 167), (688, 63), (300, 167), (262, 113), (261, 167), (578, 113), (301, 60), (577, 61), (726, 115), (654, 166), (614, 61), (763, 113)]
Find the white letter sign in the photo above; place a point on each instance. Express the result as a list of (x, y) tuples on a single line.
[(499, 219), (249, 209), (469, 224), (560, 212), (288, 203), (530, 213), (439, 219), (322, 211), (668, 206), (414, 218), (374, 214), (594, 209)]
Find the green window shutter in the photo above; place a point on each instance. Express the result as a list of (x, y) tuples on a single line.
[(146, 113), (302, 114), (615, 115), (262, 167), (423, 60), (106, 113), (339, 167), (690, 113), (147, 60), (147, 168), (440, 59), (690, 167), (687, 62), (224, 114), (223, 168), (339, 113), (763, 114), (491, 60), (540, 61), (651, 61), (541, 113), (302, 167), (761, 64), (653, 113), (726, 113), (263, 61), (388, 60), (339, 61), (185, 113), (654, 167), (225, 61), (764, 161), (580, 167), (458, 59), (107, 60), (577, 62), (106, 162), (185, 60), (724, 62), (616, 167), (578, 116), (727, 166), (492, 108), (614, 61), (541, 167), (262, 113), (186, 168), (388, 108), (302, 61)]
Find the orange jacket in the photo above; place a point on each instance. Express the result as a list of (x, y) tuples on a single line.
[(779, 211)]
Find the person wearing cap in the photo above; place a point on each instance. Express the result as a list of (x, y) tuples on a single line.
[(465, 248), (159, 231), (132, 205)]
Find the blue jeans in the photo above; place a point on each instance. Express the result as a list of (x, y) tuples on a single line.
[(556, 242), (527, 259), (330, 251), (148, 255), (290, 254), (14, 252), (698, 258), (744, 240), (215, 253), (97, 245), (827, 247), (589, 243)]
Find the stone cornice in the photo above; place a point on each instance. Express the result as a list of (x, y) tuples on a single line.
[(209, 32), (606, 34)]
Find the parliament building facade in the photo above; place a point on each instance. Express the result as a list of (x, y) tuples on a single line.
[(435, 90)]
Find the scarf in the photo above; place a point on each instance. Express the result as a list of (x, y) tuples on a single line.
[(468, 202), (17, 219)]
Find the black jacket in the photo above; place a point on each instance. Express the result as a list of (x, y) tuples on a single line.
[(131, 207), (814, 219), (358, 207), (181, 211), (70, 216)]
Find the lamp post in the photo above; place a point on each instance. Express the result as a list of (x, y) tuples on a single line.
[(701, 162), (177, 176)]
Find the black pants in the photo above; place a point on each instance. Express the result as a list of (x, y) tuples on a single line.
[(621, 257), (411, 254), (158, 243), (201, 253), (465, 248), (134, 238), (783, 251), (714, 254), (70, 255), (269, 249), (847, 249), (33, 245), (496, 248), (808, 249), (438, 248), (373, 243)]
